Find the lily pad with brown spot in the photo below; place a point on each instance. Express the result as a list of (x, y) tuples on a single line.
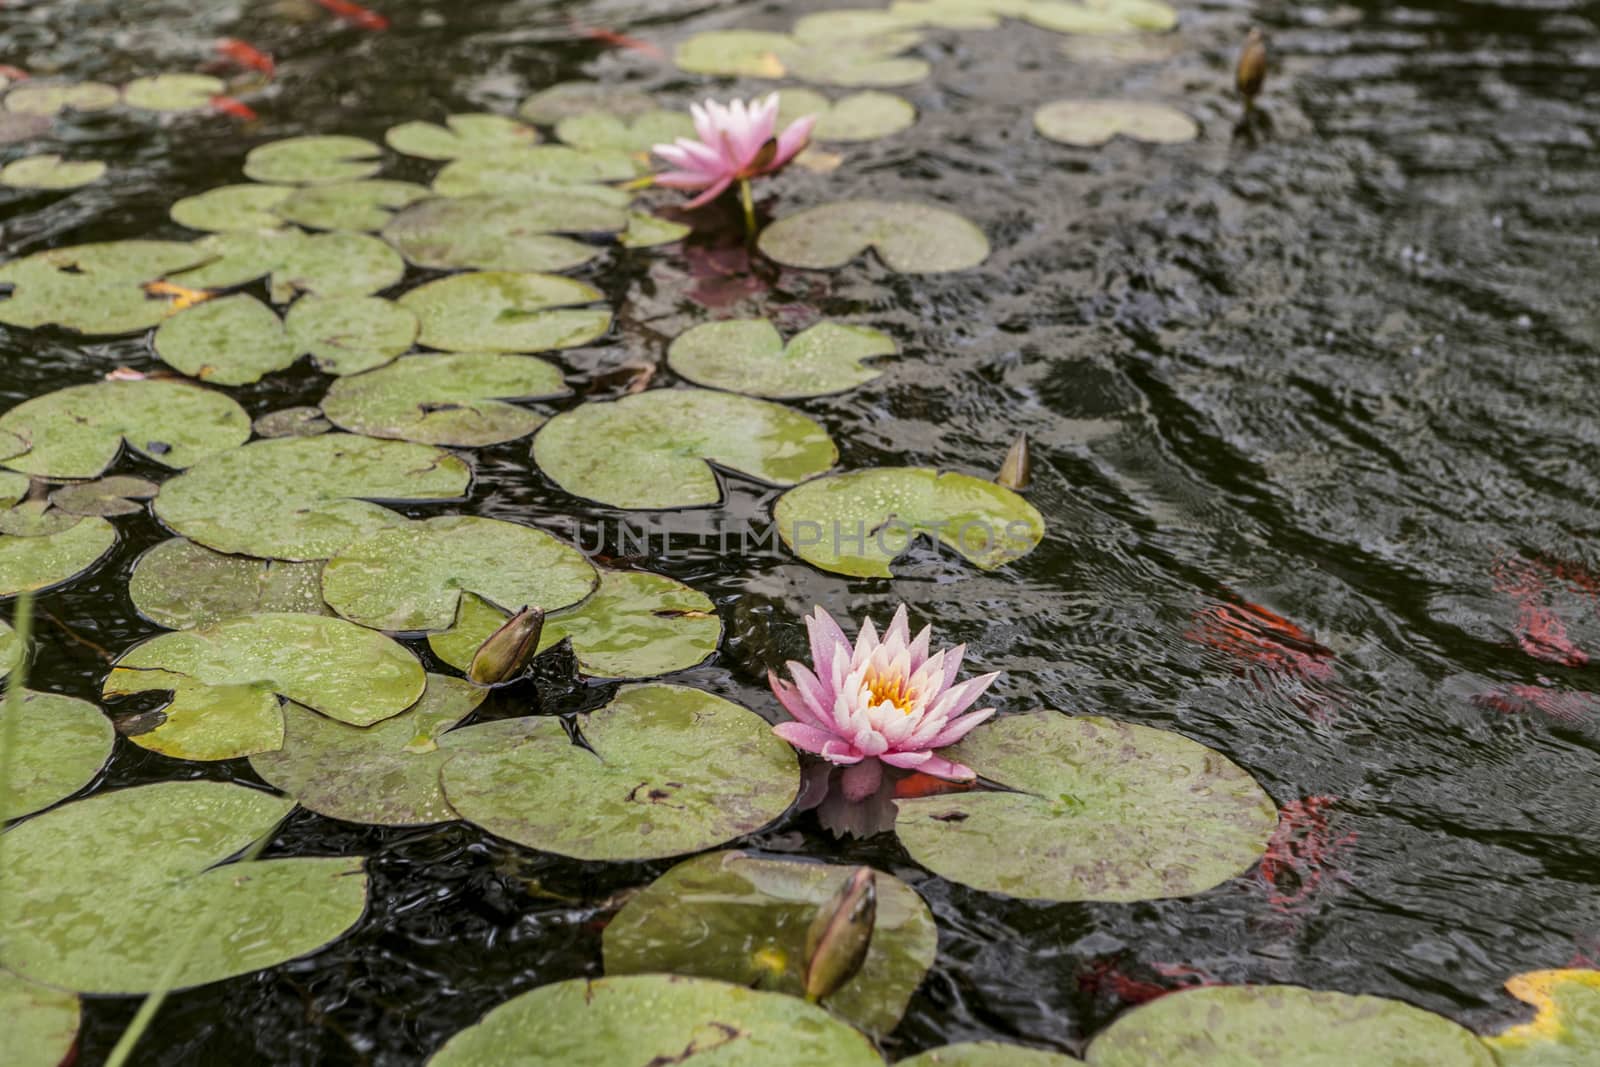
[(117, 494), (383, 775), (411, 578), (183, 586), (232, 340), (61, 744), (748, 356), (1100, 810), (505, 311), (743, 919), (459, 400), (667, 770), (909, 238)]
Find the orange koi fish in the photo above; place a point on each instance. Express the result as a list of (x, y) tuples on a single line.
[(353, 13), (613, 39), (237, 108), (246, 55), (1302, 853)]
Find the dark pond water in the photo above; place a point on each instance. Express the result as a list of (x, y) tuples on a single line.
[(1344, 369)]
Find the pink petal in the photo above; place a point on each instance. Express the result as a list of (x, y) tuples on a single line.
[(683, 179), (909, 760), (813, 693), (837, 751), (806, 738), (795, 703), (869, 742), (791, 141), (961, 697), (959, 728), (949, 770), (899, 627), (710, 194), (862, 780), (825, 638)]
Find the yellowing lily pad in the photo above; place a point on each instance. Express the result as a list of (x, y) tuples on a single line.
[(140, 867), (656, 449), (55, 554), (1102, 810), (634, 625), (232, 207), (502, 233), (866, 116), (316, 160), (305, 497), (41, 1023), (233, 340), (597, 130), (183, 586), (350, 334), (502, 311), (743, 919), (461, 137), (411, 578), (858, 522), (747, 356), (61, 745), (988, 1054), (226, 679), (1566, 1030), (173, 92), (355, 206), (653, 1019), (667, 770), (1283, 1026), (1089, 123), (94, 289), (51, 172), (79, 431), (446, 399), (387, 774), (910, 238), (52, 98)]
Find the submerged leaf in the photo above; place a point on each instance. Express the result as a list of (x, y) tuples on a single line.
[(748, 356), (1103, 810), (61, 744), (139, 867), (446, 399), (655, 449), (667, 770), (118, 494), (1089, 123), (910, 238)]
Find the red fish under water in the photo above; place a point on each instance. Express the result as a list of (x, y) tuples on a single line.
[(237, 108), (1106, 976), (1302, 853), (1257, 637), (1565, 704), (246, 55), (355, 14), (1540, 633), (926, 785), (16, 74), (618, 40)]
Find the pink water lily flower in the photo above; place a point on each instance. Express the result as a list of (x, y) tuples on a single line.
[(736, 143), (883, 701)]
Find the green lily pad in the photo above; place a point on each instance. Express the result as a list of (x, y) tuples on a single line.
[(48, 559), (233, 340), (1098, 16), (61, 745), (656, 449), (446, 399), (95, 289), (313, 160), (866, 116), (951, 14), (139, 867), (79, 431), (743, 919), (35, 518), (325, 264), (302, 421), (461, 137), (565, 99), (988, 1054), (667, 770), (238, 257), (13, 486), (648, 231), (411, 578), (232, 207), (634, 625), (825, 51), (1090, 123), (183, 586), (354, 206), (859, 522), (1105, 810), (655, 1018), (1283, 1026), (910, 238), (350, 334), (226, 679), (52, 98), (544, 171), (10, 649), (748, 356), (385, 775), (600, 130), (504, 311), (736, 54), (118, 494), (302, 498), (42, 1023), (502, 233), (173, 92), (51, 172), (1566, 1027)]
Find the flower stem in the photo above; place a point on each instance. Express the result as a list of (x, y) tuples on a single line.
[(749, 207)]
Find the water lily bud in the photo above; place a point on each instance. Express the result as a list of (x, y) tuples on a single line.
[(1252, 68), (838, 938), (1017, 471), (507, 651)]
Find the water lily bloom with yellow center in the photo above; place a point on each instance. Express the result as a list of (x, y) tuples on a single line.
[(737, 142), (882, 701)]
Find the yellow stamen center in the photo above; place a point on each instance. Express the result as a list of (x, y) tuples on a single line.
[(892, 690)]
